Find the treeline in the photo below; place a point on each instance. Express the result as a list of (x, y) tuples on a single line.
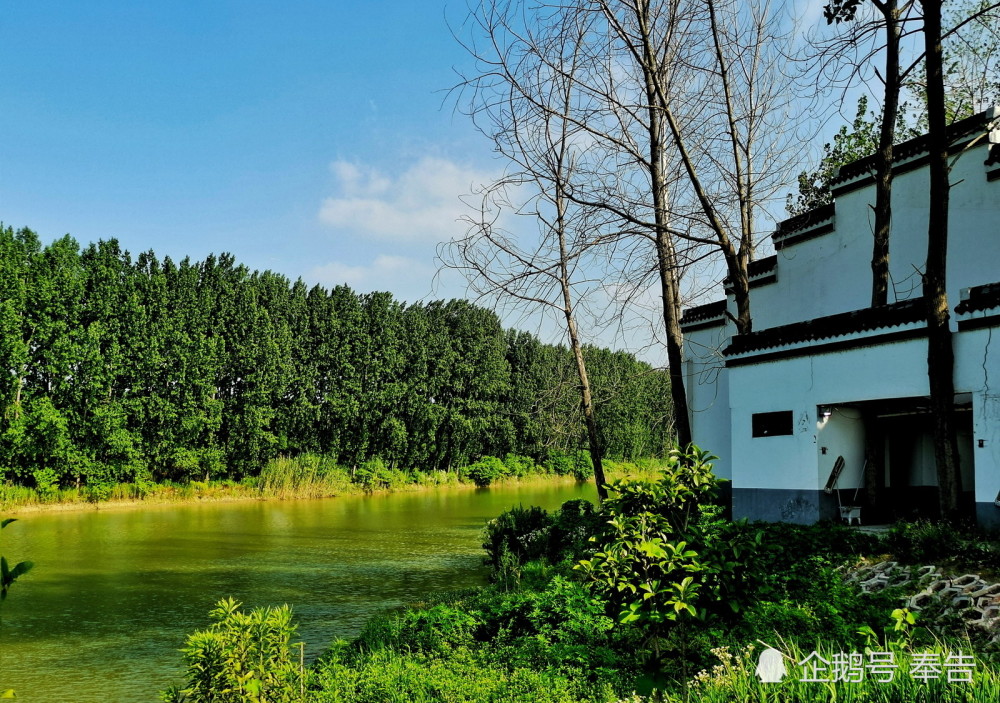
[(120, 370)]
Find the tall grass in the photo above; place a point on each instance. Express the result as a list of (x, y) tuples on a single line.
[(734, 678), (305, 476)]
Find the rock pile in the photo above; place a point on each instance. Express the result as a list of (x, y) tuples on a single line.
[(977, 601)]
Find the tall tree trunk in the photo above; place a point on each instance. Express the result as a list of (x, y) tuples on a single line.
[(883, 161), (587, 406), (940, 356), (665, 253), (586, 399)]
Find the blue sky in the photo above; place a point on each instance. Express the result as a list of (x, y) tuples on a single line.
[(312, 138), (285, 133)]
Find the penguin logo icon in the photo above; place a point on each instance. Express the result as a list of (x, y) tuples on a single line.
[(771, 666)]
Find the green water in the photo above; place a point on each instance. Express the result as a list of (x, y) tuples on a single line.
[(114, 593)]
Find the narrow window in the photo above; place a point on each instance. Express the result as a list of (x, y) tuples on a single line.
[(772, 424)]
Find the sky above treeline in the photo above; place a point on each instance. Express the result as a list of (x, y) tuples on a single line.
[(312, 138)]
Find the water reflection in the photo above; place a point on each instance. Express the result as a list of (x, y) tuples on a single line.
[(114, 593)]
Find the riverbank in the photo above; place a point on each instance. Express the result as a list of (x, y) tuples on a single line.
[(305, 477), (122, 588), (543, 632)]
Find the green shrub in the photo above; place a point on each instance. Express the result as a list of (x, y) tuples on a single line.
[(436, 630), (559, 462), (926, 542), (374, 475), (46, 483), (387, 676), (242, 657), (583, 466), (486, 471), (522, 533), (520, 466), (663, 557)]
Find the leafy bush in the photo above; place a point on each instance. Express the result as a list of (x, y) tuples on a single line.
[(577, 464), (663, 556), (522, 533), (374, 475), (520, 466), (486, 471), (436, 630), (242, 657), (925, 542), (388, 676)]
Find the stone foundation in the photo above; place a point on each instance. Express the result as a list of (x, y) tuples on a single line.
[(976, 600)]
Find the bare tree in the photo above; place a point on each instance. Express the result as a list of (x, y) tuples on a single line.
[(522, 101), (940, 355), (713, 82), (677, 121)]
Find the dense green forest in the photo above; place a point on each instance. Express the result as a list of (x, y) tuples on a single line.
[(127, 370)]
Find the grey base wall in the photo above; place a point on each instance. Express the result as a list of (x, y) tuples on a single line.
[(988, 516), (802, 507)]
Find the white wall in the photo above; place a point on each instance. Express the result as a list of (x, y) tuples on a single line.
[(831, 273), (842, 433), (801, 384), (707, 386), (977, 369)]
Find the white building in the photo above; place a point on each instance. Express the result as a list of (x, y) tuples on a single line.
[(824, 375)]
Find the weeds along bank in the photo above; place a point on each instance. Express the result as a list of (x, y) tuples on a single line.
[(142, 370), (316, 476), (653, 597)]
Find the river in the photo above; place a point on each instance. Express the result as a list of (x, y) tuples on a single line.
[(115, 592)]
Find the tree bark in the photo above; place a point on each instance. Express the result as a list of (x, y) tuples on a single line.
[(940, 356), (883, 162), (665, 253)]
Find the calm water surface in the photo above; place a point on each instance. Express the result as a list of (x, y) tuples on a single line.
[(114, 593)]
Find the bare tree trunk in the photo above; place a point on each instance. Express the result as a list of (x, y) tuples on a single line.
[(940, 356), (587, 406), (883, 175), (586, 399), (665, 256)]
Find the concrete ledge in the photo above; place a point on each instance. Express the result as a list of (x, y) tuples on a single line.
[(799, 506), (988, 516)]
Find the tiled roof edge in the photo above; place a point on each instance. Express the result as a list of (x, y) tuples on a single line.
[(863, 320), (700, 313), (980, 298), (918, 145)]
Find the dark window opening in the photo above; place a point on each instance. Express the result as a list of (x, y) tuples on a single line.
[(772, 424)]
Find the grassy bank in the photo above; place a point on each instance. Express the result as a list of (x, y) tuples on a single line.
[(311, 476), (652, 597)]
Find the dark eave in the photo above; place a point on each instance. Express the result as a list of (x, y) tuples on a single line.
[(814, 223), (704, 315), (806, 219), (760, 272), (980, 298), (864, 320), (958, 132)]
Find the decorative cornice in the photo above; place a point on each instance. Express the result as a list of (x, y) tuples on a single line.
[(831, 326), (958, 135), (701, 316)]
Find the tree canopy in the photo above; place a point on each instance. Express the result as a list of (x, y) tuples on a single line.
[(122, 369)]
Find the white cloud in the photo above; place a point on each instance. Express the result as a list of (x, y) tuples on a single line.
[(406, 278), (419, 204)]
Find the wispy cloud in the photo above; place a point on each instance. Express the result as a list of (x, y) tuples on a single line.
[(406, 278), (419, 204)]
